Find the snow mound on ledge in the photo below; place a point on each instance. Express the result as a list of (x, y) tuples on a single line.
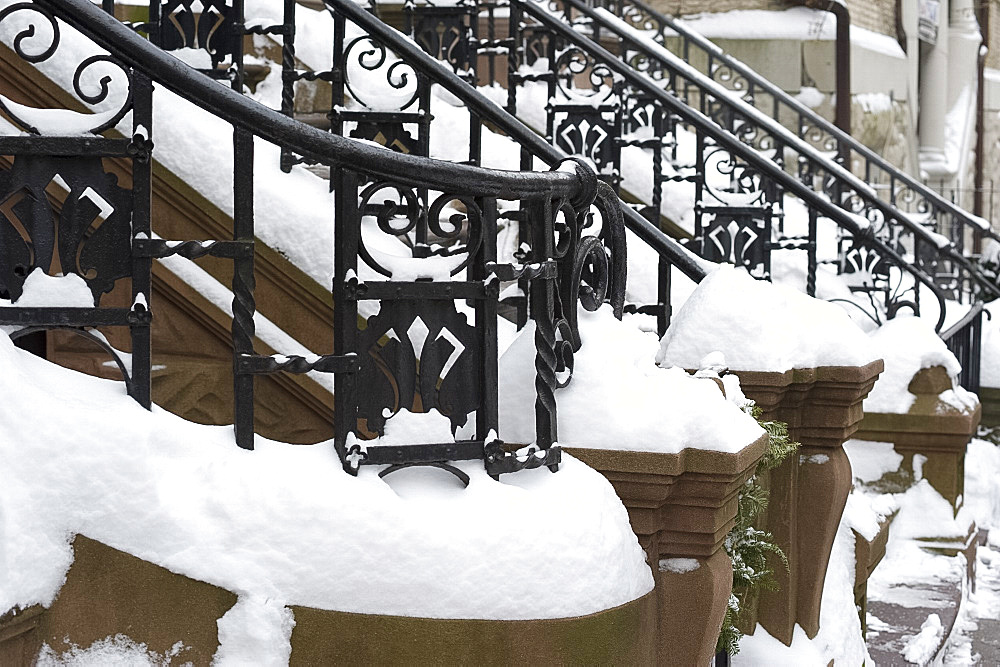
[(760, 326), (909, 344), (285, 522), (619, 398)]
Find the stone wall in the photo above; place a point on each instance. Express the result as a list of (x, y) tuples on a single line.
[(875, 15), (688, 7), (991, 145), (883, 125), (993, 38)]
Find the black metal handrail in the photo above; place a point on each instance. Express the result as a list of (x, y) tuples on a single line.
[(965, 339), (418, 352), (760, 162), (644, 17), (524, 136), (739, 108), (129, 48)]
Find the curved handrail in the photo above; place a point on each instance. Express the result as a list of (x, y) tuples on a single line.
[(204, 92), (527, 138), (733, 144), (842, 137), (678, 67), (966, 319)]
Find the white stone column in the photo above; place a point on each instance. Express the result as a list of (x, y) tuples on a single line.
[(934, 99), (964, 41)]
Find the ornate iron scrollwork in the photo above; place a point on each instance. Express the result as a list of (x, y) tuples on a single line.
[(579, 76), (740, 236), (37, 41), (445, 32), (88, 234), (418, 356), (399, 88), (211, 28), (592, 132)]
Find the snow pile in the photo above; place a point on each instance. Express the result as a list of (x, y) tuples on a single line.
[(761, 648), (286, 523), (923, 512), (921, 648), (619, 398), (864, 512), (760, 326), (982, 484), (117, 651), (255, 631), (810, 96), (909, 344), (678, 565), (839, 640), (41, 290), (871, 460)]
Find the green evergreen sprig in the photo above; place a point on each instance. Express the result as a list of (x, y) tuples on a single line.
[(748, 546)]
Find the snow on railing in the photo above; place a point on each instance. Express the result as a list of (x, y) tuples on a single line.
[(428, 343)]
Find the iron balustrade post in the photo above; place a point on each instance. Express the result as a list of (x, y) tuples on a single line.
[(975, 354), (811, 260), (347, 219), (288, 77), (663, 283), (488, 416), (142, 164), (475, 139), (543, 302), (244, 306), (237, 74), (515, 56)]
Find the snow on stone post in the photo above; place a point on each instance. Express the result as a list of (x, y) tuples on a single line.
[(804, 362)]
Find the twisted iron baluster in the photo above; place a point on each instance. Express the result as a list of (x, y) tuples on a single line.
[(542, 216), (243, 286)]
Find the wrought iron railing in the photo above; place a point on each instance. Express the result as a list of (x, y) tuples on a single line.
[(736, 144), (907, 213), (965, 340), (373, 45), (891, 183), (419, 351)]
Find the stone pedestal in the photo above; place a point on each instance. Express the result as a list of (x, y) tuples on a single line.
[(933, 429), (681, 507), (989, 398), (823, 408)]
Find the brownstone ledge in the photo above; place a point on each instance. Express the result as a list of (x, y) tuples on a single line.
[(822, 406), (867, 555), (931, 428), (682, 505), (989, 398), (110, 592), (685, 461)]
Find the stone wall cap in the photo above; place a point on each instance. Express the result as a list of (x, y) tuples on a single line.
[(686, 460), (837, 374), (880, 425)]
